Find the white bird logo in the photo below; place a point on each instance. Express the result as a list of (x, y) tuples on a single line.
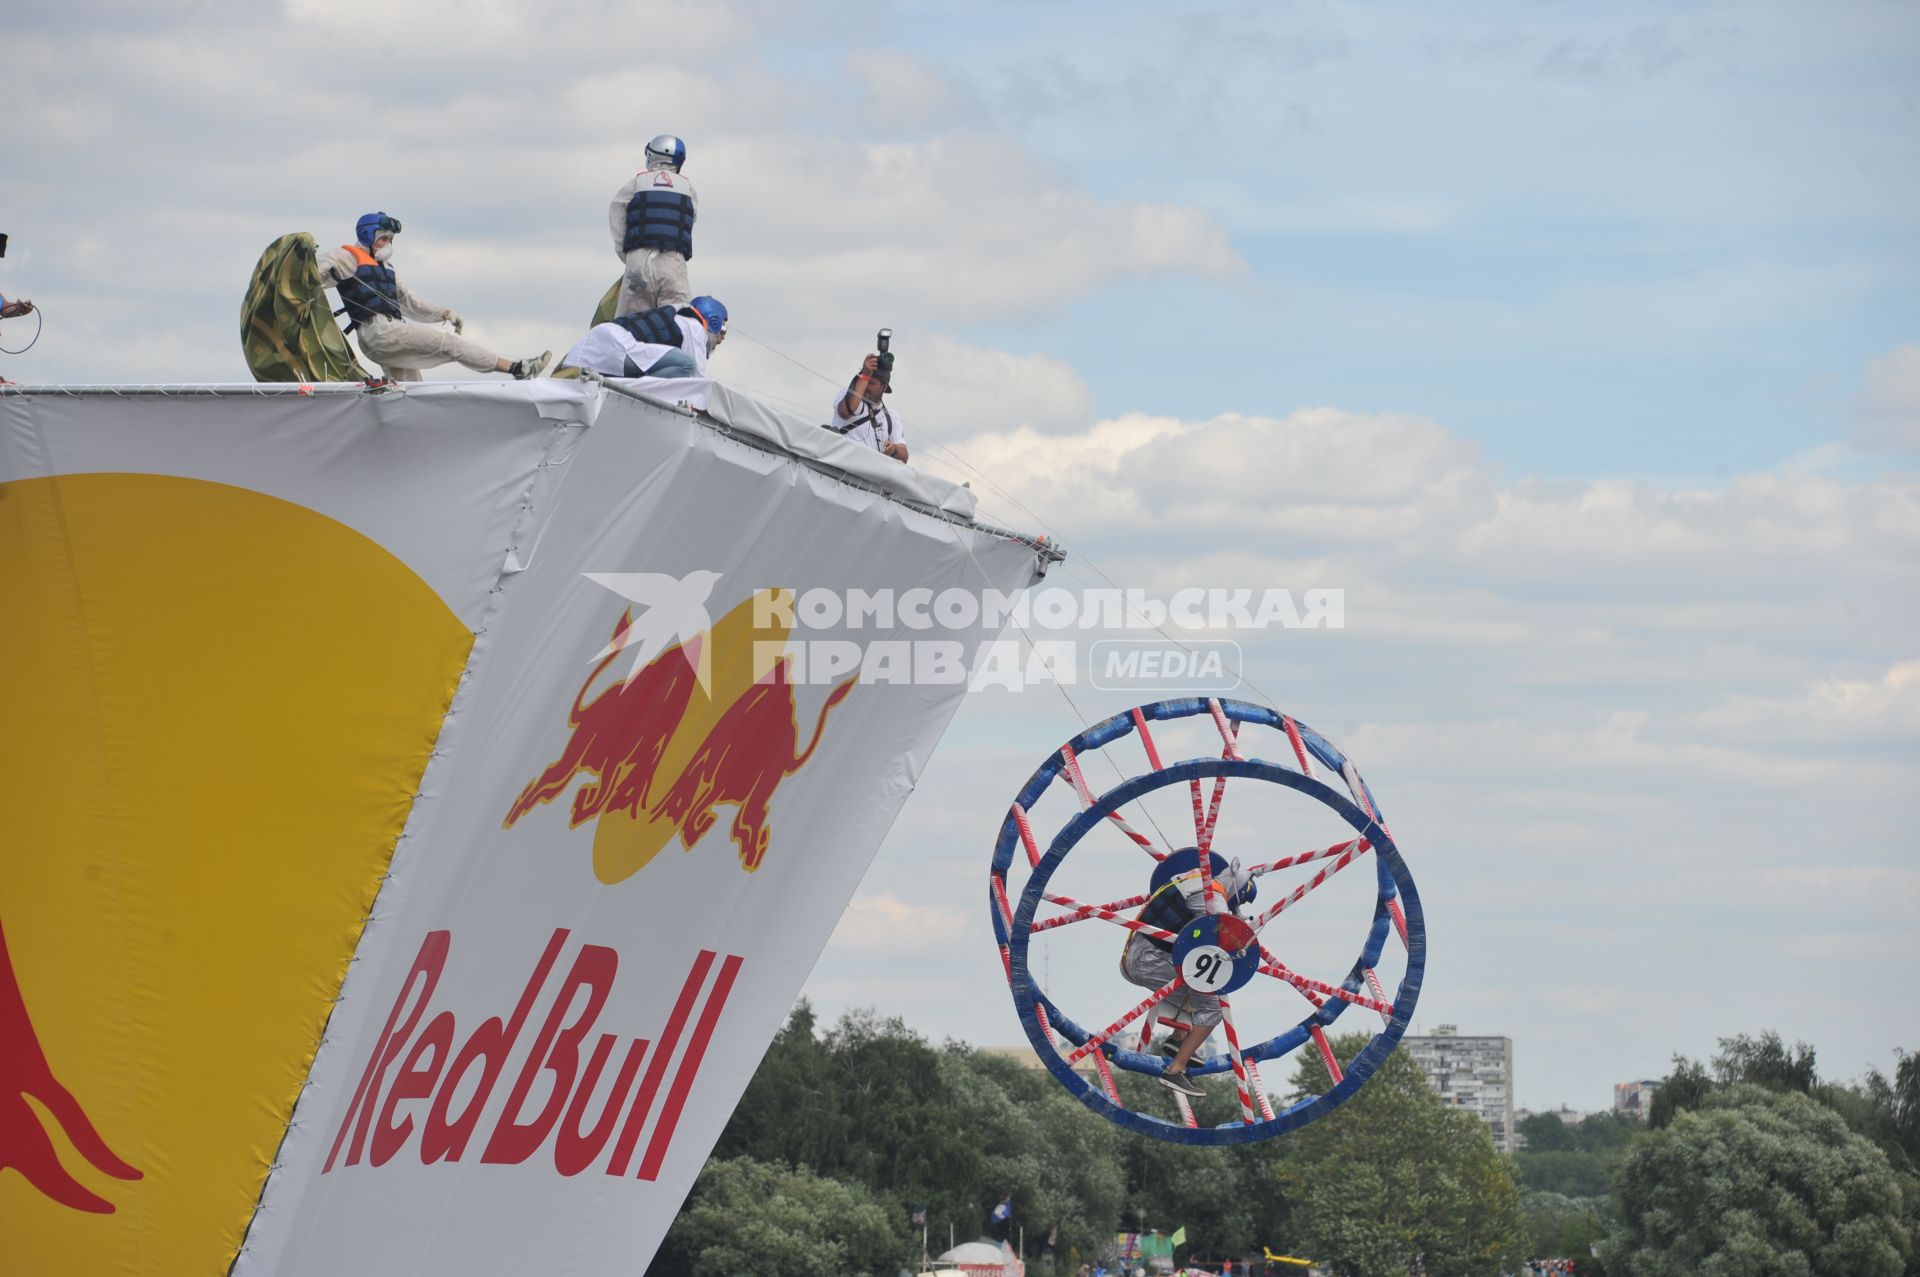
[(674, 609)]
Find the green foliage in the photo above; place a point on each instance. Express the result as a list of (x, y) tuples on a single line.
[(1016, 1132), (1545, 1133), (949, 1128), (1765, 1061), (1562, 1227), (750, 1217), (1606, 1132), (1753, 1181), (1394, 1174), (1569, 1173), (1682, 1090), (1213, 1192), (1571, 1161)]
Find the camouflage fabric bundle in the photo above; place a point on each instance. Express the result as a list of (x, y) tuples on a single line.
[(286, 327), (602, 314)]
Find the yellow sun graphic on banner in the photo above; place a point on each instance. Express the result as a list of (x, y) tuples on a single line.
[(217, 708)]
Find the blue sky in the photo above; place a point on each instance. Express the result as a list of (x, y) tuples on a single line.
[(1591, 237), (1577, 344)]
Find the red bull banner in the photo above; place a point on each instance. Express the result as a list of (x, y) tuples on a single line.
[(421, 809)]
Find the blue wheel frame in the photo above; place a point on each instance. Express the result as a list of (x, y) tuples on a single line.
[(1393, 878)]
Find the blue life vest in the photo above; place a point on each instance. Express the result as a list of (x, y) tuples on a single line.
[(372, 291), (659, 218), (1166, 909), (656, 327)]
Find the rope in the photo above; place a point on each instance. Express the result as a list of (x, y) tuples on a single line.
[(988, 481), (39, 326)]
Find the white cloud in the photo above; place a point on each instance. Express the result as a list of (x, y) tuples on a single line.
[(813, 230), (1890, 404), (899, 90), (884, 924), (1834, 709)]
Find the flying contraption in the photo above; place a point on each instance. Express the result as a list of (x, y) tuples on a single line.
[(423, 804), (1224, 960)]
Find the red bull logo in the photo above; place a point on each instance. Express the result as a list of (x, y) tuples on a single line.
[(25, 1074), (662, 750), (414, 1088)]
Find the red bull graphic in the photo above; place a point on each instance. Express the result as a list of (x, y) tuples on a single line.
[(427, 1103), (662, 752), (25, 1075)]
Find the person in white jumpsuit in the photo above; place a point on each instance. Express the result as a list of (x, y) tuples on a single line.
[(381, 312), (652, 219), (657, 343)]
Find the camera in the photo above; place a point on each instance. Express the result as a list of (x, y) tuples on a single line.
[(3, 243), (879, 342)]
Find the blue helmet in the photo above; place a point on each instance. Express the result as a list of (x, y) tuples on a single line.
[(372, 225), (710, 310), (666, 151)]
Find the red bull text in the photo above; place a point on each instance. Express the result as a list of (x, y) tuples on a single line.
[(410, 1092)]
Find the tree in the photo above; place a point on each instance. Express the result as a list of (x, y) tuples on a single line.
[(1561, 1227), (749, 1217), (1606, 1132), (1757, 1182), (1545, 1133), (1687, 1087), (1570, 1173), (1765, 1061), (1394, 1174), (790, 1112), (1015, 1132), (1571, 1161)]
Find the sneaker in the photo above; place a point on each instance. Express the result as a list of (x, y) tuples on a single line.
[(1182, 1083), (530, 367)]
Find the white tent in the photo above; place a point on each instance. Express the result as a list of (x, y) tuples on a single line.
[(980, 1259)]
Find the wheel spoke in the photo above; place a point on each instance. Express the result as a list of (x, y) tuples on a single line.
[(1318, 991), (1109, 912), (1147, 1004), (1239, 1065), (1358, 847), (1070, 763)]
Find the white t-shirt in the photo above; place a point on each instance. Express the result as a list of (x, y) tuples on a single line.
[(871, 425), (663, 179), (607, 347)]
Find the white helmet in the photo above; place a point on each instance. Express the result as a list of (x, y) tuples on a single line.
[(666, 151)]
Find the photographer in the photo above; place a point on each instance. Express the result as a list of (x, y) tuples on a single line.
[(14, 309), (860, 414)]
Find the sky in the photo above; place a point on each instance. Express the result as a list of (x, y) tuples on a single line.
[(1577, 345)]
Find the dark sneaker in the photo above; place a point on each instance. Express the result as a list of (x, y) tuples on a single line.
[(530, 367), (1182, 1083)]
